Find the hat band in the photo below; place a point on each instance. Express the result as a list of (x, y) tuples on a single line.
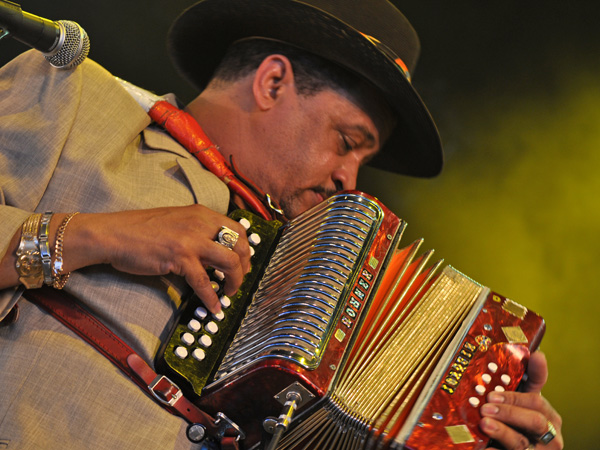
[(390, 54)]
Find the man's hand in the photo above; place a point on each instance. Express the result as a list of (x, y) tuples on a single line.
[(179, 240), (516, 419)]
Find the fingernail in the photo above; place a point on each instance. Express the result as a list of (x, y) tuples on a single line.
[(489, 426), (496, 397), (489, 410)]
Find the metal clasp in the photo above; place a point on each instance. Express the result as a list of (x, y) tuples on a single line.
[(165, 391), (224, 423)]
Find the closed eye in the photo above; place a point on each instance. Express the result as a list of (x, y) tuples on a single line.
[(347, 143)]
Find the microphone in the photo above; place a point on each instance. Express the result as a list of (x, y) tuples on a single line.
[(64, 43)]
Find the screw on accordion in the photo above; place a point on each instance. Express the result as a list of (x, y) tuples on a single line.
[(378, 347)]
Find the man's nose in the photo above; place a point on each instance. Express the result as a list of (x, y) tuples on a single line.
[(345, 175)]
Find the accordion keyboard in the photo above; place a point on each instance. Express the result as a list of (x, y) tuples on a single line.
[(199, 339)]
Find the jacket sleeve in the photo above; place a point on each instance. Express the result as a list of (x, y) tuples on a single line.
[(38, 104)]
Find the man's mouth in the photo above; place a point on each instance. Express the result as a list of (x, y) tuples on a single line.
[(322, 193)]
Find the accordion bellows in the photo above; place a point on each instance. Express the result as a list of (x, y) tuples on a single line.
[(383, 348)]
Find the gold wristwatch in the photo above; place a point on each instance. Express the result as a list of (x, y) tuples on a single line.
[(29, 260)]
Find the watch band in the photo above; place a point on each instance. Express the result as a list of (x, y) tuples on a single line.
[(29, 260), (45, 254)]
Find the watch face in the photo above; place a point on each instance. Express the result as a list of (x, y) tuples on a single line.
[(29, 263)]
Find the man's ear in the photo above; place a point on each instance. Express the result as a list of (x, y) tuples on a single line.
[(273, 79)]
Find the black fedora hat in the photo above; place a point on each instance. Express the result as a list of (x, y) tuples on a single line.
[(372, 38)]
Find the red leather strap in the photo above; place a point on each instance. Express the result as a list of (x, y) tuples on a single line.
[(168, 394), (68, 311), (230, 443)]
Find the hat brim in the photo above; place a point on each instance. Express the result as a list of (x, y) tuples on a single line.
[(200, 36)]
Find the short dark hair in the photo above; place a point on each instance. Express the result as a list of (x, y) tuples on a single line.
[(311, 72)]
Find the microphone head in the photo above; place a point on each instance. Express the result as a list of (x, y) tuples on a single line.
[(72, 47)]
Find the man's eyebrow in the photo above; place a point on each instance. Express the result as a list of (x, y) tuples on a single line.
[(369, 138)]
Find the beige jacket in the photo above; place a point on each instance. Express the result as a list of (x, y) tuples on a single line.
[(76, 141)]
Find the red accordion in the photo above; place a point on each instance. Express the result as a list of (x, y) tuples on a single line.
[(369, 346)]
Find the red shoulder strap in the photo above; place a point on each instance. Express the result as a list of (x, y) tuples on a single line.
[(67, 309)]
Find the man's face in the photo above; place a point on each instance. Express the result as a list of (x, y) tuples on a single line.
[(311, 147)]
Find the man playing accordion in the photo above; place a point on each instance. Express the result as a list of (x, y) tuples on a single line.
[(99, 201)]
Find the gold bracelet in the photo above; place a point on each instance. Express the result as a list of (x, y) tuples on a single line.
[(45, 248), (60, 278), (29, 261)]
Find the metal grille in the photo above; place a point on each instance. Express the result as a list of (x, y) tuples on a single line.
[(73, 47), (297, 300)]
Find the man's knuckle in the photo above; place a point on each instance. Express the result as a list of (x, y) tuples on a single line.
[(177, 248), (167, 266), (233, 261), (511, 398), (539, 423), (556, 419), (538, 402), (520, 443), (203, 279)]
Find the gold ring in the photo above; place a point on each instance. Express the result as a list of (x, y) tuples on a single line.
[(227, 237), (547, 437)]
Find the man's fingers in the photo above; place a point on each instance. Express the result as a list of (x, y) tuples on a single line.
[(531, 421), (233, 266), (227, 262), (537, 372), (242, 249), (513, 402), (511, 439), (200, 282), (508, 437), (514, 418)]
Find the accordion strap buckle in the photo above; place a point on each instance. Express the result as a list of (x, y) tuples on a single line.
[(224, 424), (165, 391)]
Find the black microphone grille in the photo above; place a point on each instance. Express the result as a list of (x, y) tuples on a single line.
[(72, 47)]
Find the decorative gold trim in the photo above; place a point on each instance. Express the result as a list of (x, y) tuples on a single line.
[(514, 308), (459, 434), (515, 335)]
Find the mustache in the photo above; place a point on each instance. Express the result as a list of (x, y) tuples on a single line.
[(326, 193)]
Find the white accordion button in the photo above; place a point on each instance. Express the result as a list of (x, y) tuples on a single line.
[(219, 275), (219, 316), (252, 251), (486, 377), (215, 286), (254, 239), (493, 367), (194, 325), (211, 327), (187, 338), (181, 352), (499, 389), (201, 312), (245, 223), (205, 341), (480, 389), (199, 354), (505, 378), (225, 301), (474, 401)]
